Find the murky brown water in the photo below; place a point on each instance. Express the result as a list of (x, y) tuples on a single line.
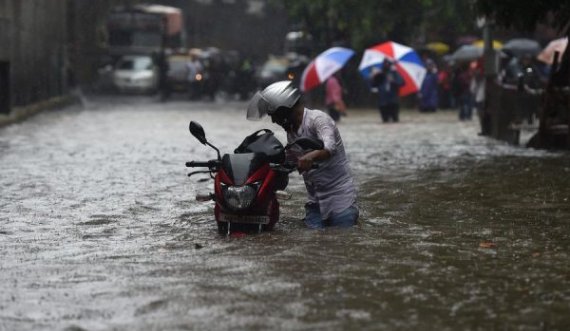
[(99, 229)]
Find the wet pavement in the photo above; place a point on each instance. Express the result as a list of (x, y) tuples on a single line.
[(99, 229)]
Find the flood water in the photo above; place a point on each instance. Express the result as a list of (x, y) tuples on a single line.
[(99, 229)]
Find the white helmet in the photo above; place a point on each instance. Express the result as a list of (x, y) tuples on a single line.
[(277, 95)]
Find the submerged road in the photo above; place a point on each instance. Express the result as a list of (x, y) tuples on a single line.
[(99, 229)]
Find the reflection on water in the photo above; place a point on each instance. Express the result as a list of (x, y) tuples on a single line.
[(100, 231)]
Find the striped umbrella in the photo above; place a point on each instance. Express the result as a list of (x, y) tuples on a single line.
[(407, 61), (324, 66)]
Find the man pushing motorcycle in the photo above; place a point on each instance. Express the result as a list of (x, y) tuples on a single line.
[(330, 187)]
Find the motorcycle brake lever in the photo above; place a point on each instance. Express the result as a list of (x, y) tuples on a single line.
[(198, 172)]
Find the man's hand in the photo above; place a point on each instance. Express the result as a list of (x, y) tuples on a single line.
[(305, 163)]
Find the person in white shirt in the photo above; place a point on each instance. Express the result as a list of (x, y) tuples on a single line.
[(330, 187), (194, 71)]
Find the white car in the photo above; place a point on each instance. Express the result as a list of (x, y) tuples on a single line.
[(136, 73)]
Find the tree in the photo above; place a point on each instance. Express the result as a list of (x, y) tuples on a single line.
[(525, 14), (365, 22)]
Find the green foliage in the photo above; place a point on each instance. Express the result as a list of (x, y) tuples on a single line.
[(361, 23), (525, 14)]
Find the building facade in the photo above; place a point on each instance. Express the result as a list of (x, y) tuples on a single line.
[(33, 60)]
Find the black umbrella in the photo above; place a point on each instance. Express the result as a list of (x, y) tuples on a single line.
[(467, 53), (522, 46)]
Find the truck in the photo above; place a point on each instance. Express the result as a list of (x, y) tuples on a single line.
[(145, 29)]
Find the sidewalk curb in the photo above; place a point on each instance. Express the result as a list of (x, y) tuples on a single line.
[(19, 114)]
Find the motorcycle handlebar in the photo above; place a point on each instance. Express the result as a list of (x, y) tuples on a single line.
[(207, 164), (290, 167)]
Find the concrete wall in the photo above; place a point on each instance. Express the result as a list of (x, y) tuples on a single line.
[(33, 42), (5, 32)]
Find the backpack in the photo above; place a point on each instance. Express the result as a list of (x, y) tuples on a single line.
[(263, 142)]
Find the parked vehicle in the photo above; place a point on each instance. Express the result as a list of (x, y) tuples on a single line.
[(272, 70), (145, 29), (247, 182), (238, 80), (177, 76), (277, 68), (135, 73)]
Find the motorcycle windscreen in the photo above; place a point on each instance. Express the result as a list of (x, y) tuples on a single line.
[(240, 166), (258, 108)]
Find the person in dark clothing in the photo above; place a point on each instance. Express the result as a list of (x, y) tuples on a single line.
[(429, 90), (444, 78), (462, 83), (387, 81), (163, 68)]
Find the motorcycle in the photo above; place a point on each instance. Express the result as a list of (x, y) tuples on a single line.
[(247, 183)]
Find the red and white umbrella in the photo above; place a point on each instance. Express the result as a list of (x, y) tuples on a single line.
[(324, 66), (407, 61)]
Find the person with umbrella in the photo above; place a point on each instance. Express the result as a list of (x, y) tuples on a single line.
[(325, 69), (392, 70), (523, 73), (387, 81), (330, 187), (333, 97)]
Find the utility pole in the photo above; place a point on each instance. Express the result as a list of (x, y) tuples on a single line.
[(489, 53), (489, 114)]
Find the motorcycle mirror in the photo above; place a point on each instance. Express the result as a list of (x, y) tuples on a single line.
[(309, 143), (198, 131)]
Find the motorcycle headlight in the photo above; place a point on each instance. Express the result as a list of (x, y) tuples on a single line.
[(240, 197)]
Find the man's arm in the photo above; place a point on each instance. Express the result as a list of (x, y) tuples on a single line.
[(325, 129), (306, 161)]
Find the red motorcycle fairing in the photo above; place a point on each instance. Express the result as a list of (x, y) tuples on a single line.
[(265, 203), (272, 211)]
